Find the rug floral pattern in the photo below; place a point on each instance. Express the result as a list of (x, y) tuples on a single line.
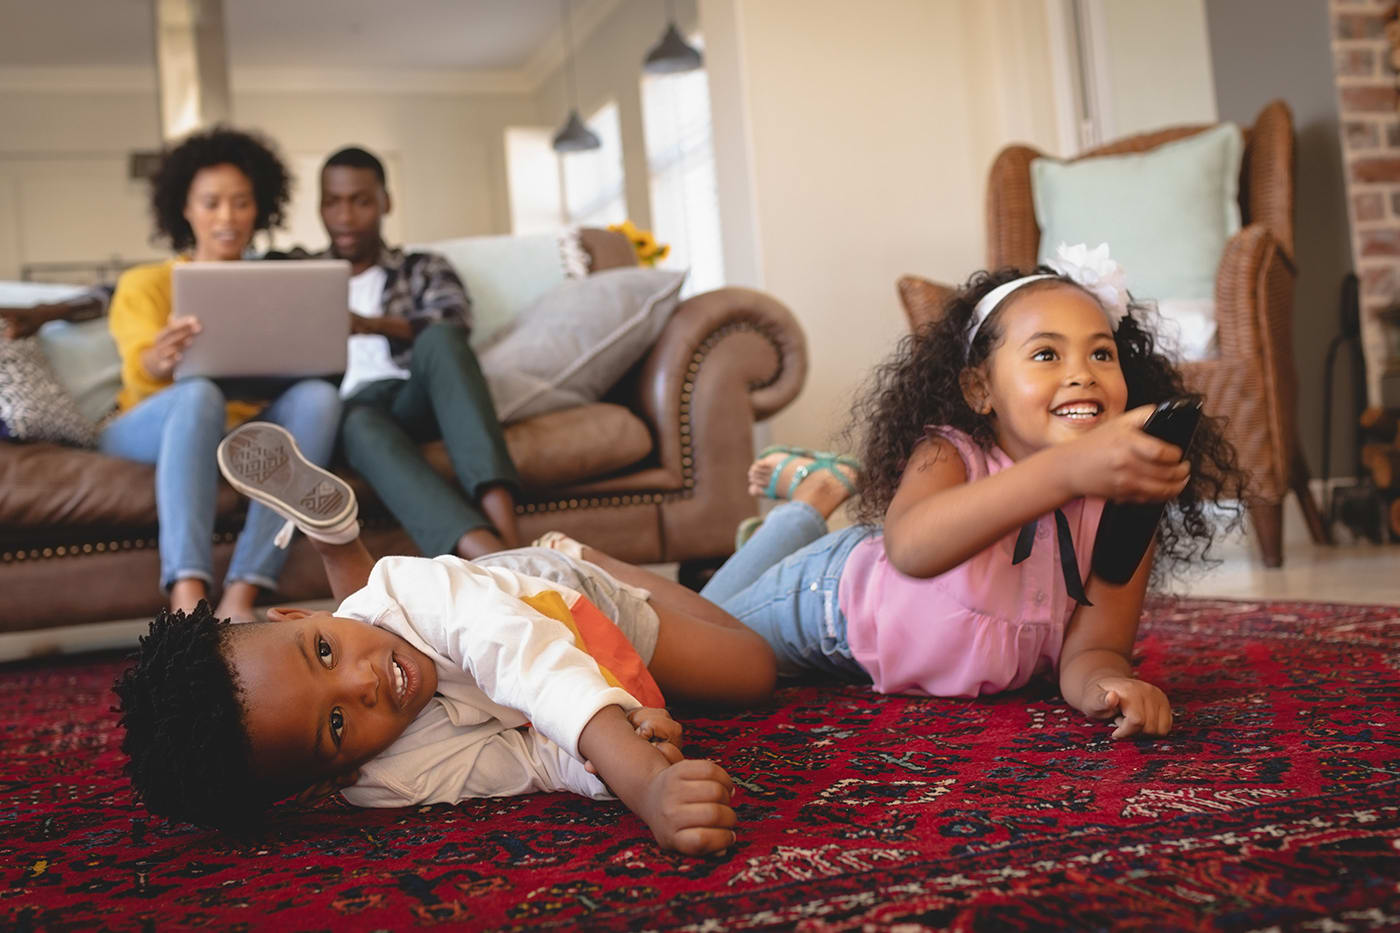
[(1275, 804)]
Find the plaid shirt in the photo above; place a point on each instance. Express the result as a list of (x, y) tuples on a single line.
[(421, 287)]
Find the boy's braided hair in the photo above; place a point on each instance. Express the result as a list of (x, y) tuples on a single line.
[(189, 752)]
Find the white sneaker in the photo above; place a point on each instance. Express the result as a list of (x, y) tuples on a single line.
[(262, 461)]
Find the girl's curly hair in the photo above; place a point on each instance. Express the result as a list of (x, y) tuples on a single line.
[(250, 153), (919, 386)]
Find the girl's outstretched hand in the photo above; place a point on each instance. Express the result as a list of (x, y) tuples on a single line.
[(1134, 705), (1118, 461)]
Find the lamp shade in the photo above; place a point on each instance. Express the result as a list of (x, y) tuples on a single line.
[(672, 54), (575, 137)]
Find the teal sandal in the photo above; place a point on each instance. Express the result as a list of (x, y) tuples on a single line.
[(821, 460)]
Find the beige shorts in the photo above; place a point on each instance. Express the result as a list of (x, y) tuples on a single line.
[(628, 606)]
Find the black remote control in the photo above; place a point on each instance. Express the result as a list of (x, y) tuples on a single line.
[(1126, 528)]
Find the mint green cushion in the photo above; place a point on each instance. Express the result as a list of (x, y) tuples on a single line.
[(1165, 214), (82, 356), (503, 274), (85, 360)]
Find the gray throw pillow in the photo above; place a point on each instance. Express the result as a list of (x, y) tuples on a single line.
[(574, 343), (33, 406)]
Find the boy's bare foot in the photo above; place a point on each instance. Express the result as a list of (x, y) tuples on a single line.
[(561, 542), (825, 484), (479, 542)]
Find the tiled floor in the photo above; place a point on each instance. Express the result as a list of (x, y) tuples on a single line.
[(1344, 573)]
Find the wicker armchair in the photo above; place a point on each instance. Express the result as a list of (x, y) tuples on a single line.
[(1253, 382)]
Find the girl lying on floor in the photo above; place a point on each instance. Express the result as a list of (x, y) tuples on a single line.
[(999, 429), (434, 680)]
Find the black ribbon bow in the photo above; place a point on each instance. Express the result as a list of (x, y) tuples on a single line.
[(1068, 563)]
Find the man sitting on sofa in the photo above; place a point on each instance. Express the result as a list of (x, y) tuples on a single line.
[(412, 376)]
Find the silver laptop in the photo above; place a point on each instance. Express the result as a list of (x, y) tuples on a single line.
[(264, 317)]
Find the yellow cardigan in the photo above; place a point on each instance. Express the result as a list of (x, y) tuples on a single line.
[(140, 308)]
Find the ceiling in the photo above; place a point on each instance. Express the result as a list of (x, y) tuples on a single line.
[(458, 35)]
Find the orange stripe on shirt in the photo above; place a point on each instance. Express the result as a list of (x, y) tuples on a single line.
[(599, 637)]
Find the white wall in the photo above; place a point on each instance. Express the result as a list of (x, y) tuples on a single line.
[(64, 195), (1159, 65), (869, 131)]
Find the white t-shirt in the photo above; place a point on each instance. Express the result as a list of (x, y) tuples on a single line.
[(368, 358), (513, 695)]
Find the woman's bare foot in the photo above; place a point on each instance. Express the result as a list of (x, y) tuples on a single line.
[(237, 602), (186, 594), (821, 487)]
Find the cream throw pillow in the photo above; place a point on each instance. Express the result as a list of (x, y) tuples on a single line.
[(573, 344)]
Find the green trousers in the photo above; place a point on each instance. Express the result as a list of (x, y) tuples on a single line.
[(445, 396)]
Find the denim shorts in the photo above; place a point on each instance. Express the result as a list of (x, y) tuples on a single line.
[(794, 604)]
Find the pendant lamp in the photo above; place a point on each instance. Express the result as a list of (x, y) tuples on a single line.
[(672, 54), (573, 136)]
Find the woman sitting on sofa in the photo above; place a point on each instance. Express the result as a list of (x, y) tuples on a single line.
[(210, 195)]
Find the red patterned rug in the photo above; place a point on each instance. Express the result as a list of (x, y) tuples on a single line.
[(1274, 805)]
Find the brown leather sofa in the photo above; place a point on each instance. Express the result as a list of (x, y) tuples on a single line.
[(654, 473)]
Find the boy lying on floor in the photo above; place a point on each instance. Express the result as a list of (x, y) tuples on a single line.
[(434, 680)]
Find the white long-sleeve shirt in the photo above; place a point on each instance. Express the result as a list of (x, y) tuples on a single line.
[(514, 691)]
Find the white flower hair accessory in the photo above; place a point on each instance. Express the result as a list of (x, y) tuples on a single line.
[(1091, 269), (1095, 271)]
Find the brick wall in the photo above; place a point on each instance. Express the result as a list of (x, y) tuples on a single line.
[(1370, 127)]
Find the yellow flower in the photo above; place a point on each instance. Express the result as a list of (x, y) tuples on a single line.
[(644, 244)]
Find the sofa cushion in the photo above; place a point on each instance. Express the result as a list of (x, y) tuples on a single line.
[(573, 344), (46, 484), (85, 360), (506, 274), (568, 446), (1166, 213), (33, 405)]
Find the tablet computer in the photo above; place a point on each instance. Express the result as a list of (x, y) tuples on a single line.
[(263, 318)]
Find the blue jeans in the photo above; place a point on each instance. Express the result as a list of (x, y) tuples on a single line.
[(783, 584), (445, 396), (178, 429)]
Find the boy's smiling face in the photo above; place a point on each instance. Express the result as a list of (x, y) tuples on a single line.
[(323, 695)]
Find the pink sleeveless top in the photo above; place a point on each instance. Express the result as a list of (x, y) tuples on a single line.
[(985, 626)]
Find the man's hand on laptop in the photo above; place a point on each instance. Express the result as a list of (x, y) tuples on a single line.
[(359, 324), (395, 328), (160, 358)]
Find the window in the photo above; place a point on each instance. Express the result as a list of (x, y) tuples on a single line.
[(532, 170), (681, 166), (593, 180)]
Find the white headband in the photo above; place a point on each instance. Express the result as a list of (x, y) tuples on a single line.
[(1092, 270)]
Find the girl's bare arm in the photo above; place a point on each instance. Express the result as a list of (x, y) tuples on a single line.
[(938, 519)]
